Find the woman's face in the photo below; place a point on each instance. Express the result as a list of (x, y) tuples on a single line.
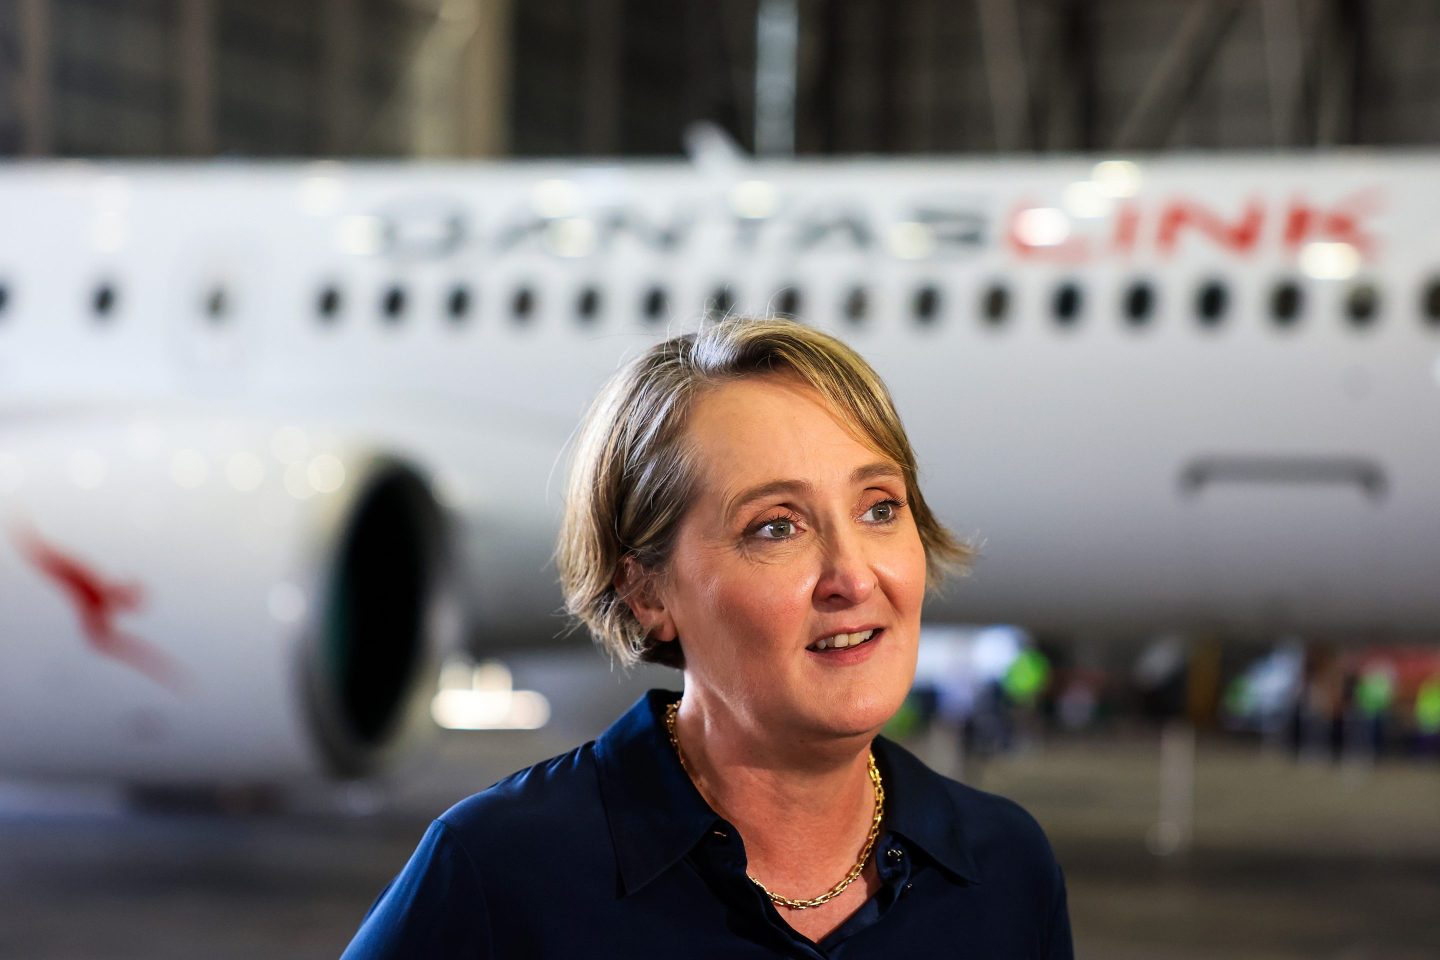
[(799, 532)]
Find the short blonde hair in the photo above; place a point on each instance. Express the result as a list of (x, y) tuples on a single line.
[(632, 476)]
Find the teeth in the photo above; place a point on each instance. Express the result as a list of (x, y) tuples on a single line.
[(842, 640)]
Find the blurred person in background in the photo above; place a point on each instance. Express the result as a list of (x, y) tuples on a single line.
[(1427, 717), (743, 506)]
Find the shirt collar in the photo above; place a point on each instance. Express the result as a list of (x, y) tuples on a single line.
[(922, 810), (657, 816)]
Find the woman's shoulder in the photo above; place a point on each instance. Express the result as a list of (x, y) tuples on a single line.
[(986, 820)]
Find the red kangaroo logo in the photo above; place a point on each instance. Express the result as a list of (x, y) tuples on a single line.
[(98, 601)]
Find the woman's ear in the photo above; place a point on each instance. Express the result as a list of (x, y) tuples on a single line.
[(637, 587)]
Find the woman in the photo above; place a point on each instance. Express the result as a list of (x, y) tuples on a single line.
[(743, 505)]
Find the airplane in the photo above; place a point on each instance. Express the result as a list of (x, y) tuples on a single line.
[(275, 438)]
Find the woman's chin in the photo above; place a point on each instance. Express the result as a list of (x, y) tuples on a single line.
[(862, 716)]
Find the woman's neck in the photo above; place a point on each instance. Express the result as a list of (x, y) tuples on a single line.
[(804, 808)]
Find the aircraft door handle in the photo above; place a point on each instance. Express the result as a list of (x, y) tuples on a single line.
[(1362, 473)]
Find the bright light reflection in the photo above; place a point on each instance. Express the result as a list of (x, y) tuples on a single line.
[(1117, 179), (481, 697), (326, 473), (297, 481), (1329, 261), (754, 199), (360, 235), (320, 195), (555, 198), (451, 489), (1042, 227), (1084, 200), (909, 240), (571, 237), (995, 648), (490, 710)]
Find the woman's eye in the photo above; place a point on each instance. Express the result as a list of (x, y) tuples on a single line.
[(884, 511), (780, 529)]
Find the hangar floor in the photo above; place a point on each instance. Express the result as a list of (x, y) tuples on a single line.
[(1290, 861)]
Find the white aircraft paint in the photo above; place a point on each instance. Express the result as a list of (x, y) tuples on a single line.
[(1244, 477)]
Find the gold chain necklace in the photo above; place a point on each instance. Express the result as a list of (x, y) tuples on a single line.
[(670, 714)]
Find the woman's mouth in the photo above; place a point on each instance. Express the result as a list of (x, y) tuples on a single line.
[(844, 641)]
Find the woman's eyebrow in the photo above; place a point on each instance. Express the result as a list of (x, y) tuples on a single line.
[(870, 471), (876, 470), (736, 503)]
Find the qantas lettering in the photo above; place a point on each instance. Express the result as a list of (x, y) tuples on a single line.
[(1180, 221), (426, 231), (433, 229)]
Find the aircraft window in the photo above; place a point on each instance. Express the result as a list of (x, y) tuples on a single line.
[(393, 303), (103, 302), (1068, 303), (328, 304), (1286, 302), (587, 305), (523, 305), (1139, 303), (1211, 303), (457, 305), (1431, 304), (4, 298), (656, 304), (995, 305), (1362, 304), (857, 305), (722, 301), (927, 304), (217, 305), (787, 302)]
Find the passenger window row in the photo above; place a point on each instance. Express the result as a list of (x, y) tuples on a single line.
[(1139, 303), (1211, 304)]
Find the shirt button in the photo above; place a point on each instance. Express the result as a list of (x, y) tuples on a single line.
[(894, 853)]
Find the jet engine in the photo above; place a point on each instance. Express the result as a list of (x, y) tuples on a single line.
[(206, 601)]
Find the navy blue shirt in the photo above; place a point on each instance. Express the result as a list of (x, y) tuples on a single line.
[(610, 851)]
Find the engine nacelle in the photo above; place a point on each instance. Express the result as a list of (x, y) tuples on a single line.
[(199, 601)]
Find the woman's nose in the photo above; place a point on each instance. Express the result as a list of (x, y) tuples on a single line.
[(846, 576)]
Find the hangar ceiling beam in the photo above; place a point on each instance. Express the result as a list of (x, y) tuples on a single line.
[(600, 78), (1340, 104), (457, 80), (197, 77), (922, 73), (339, 48), (1070, 99), (1178, 76), (1006, 74), (482, 99), (1280, 26), (34, 81)]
